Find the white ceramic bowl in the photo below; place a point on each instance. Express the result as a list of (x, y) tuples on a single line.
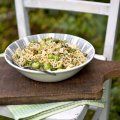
[(84, 45)]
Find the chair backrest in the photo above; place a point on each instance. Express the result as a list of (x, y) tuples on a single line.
[(108, 9)]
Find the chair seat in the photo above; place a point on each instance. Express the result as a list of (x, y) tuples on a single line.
[(77, 113)]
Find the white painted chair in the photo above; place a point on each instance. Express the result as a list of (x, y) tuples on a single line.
[(109, 9)]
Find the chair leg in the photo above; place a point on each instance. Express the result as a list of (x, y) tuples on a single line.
[(105, 111), (83, 113), (97, 114)]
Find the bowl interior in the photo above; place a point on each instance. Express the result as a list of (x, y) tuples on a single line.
[(84, 45)]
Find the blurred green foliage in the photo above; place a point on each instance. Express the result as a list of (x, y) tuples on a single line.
[(89, 26)]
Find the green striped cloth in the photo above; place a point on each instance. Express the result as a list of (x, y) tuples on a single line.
[(40, 111)]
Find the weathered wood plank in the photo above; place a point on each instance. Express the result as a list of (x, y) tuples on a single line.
[(87, 84)]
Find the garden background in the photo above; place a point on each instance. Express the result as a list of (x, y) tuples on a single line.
[(90, 27)]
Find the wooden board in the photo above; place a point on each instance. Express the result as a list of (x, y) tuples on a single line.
[(87, 84)]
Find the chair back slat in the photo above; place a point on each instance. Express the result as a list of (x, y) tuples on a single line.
[(70, 5)]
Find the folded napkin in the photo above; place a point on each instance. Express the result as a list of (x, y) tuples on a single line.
[(40, 111), (1, 54)]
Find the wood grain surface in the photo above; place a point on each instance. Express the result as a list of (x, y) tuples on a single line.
[(87, 84)]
